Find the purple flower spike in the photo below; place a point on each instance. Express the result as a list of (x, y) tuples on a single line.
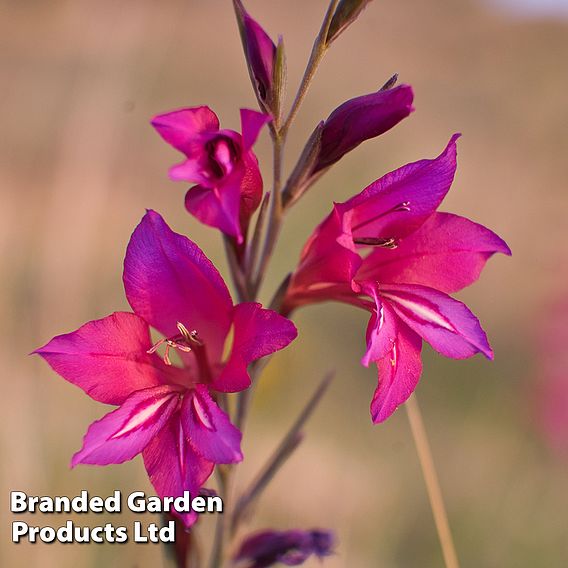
[(360, 119), (418, 256), (291, 548), (221, 162), (167, 412)]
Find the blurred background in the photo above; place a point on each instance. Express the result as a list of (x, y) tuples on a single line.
[(79, 162)]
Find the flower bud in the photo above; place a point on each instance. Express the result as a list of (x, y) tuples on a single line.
[(291, 548), (349, 125), (360, 119), (265, 61), (345, 14)]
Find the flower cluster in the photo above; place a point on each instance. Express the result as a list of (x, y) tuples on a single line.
[(386, 250)]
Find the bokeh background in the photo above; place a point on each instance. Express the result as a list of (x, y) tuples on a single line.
[(79, 80)]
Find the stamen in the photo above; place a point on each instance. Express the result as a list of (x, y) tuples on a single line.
[(394, 355), (404, 206), (154, 347), (388, 243), (183, 342), (189, 336)]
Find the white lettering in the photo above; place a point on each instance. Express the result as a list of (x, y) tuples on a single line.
[(19, 528), (18, 501)]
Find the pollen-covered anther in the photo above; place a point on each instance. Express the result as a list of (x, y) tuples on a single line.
[(190, 336), (183, 342), (388, 243), (400, 207)]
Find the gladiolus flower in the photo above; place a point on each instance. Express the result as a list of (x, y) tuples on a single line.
[(291, 548), (419, 257), (167, 412), (221, 162)]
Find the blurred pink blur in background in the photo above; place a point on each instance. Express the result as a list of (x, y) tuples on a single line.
[(79, 163)]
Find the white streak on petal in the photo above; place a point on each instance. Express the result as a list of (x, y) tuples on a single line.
[(181, 450), (202, 413), (381, 318), (141, 417), (424, 312)]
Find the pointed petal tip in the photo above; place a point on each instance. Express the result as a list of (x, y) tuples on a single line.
[(453, 140), (150, 213), (159, 118), (45, 349), (252, 112), (252, 121), (450, 151), (378, 416), (150, 216), (75, 460), (506, 250), (406, 89)]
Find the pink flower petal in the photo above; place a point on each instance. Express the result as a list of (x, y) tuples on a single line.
[(257, 333), (251, 188), (125, 432), (251, 124), (328, 258), (447, 253), (209, 429), (448, 325), (191, 170), (174, 467), (107, 358), (397, 204), (217, 207), (180, 127), (168, 279), (399, 372), (381, 330)]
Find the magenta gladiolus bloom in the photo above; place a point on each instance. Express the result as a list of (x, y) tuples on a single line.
[(419, 257), (291, 548), (167, 412), (221, 162)]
